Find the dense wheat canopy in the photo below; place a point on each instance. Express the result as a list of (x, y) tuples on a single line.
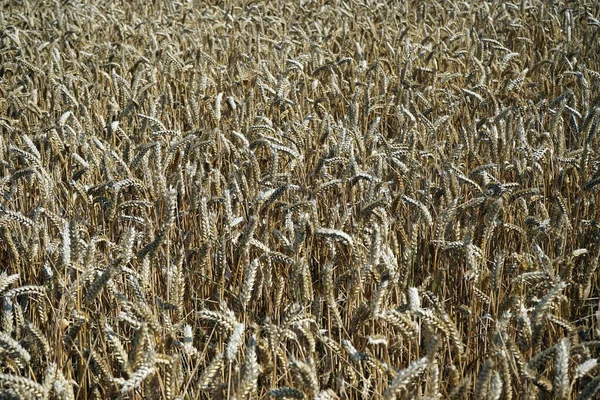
[(299, 199)]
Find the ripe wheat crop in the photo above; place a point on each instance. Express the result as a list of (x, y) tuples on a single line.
[(299, 200)]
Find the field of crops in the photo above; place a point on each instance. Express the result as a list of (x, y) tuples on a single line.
[(299, 199)]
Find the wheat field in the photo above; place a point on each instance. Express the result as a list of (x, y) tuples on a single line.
[(299, 199)]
